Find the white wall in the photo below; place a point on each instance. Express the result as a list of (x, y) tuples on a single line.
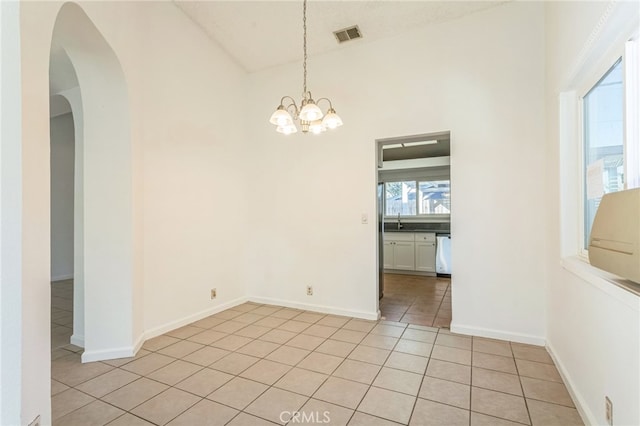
[(593, 326), (186, 143), (10, 219), (107, 199), (188, 97), (221, 200), (482, 78), (62, 194)]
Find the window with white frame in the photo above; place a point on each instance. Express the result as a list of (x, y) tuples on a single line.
[(609, 142), (418, 198), (603, 142)]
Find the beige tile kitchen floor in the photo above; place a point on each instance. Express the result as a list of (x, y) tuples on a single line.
[(416, 299), (258, 364)]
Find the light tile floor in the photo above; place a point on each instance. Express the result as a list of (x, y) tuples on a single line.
[(416, 299), (256, 364), (61, 313)]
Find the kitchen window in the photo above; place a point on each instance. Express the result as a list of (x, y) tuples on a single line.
[(418, 198)]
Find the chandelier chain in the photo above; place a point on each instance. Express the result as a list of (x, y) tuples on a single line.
[(304, 47)]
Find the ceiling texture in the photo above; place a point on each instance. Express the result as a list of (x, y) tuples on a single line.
[(265, 34)]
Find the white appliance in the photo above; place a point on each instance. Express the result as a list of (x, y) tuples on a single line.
[(443, 254), (614, 245)]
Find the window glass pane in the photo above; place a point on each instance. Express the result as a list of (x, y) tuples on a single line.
[(400, 198), (434, 197), (603, 138)]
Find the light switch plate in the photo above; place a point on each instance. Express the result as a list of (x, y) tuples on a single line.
[(364, 219)]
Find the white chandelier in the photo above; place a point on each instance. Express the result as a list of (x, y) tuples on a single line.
[(308, 113)]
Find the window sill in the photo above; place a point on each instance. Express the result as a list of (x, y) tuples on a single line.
[(626, 291)]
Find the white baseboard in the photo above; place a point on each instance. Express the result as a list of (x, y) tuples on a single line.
[(77, 340), (129, 351), (157, 331), (498, 334), (101, 355), (62, 277), (581, 405), (373, 316), (138, 344)]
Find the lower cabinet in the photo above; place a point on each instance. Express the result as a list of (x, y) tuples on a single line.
[(404, 252), (399, 255), (410, 252), (399, 251), (389, 255)]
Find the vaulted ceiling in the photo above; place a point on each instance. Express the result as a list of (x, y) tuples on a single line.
[(264, 34)]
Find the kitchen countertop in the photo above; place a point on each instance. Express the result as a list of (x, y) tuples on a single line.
[(432, 231), (429, 227)]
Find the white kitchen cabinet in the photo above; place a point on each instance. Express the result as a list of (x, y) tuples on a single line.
[(404, 252), (399, 251), (425, 251), (389, 255), (407, 251)]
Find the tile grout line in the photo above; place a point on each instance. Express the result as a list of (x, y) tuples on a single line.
[(239, 373), (140, 377), (381, 367), (288, 365), (524, 396), (423, 376), (284, 344)]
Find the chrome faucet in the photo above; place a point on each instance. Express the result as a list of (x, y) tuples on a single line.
[(400, 225)]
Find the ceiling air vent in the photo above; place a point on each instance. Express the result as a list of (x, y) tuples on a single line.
[(347, 34)]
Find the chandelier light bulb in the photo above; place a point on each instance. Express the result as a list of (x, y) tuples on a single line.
[(316, 127), (331, 120), (310, 112), (281, 117), (287, 129)]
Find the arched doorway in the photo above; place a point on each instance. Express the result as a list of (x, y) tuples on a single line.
[(104, 308)]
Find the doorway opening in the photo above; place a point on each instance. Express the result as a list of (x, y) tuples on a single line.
[(84, 71), (62, 159), (414, 229)]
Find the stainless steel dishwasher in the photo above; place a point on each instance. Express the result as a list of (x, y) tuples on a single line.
[(443, 254)]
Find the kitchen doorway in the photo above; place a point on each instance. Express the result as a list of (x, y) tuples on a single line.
[(414, 228)]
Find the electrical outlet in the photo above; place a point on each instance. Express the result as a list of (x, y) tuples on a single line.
[(213, 293), (309, 290), (608, 410)]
